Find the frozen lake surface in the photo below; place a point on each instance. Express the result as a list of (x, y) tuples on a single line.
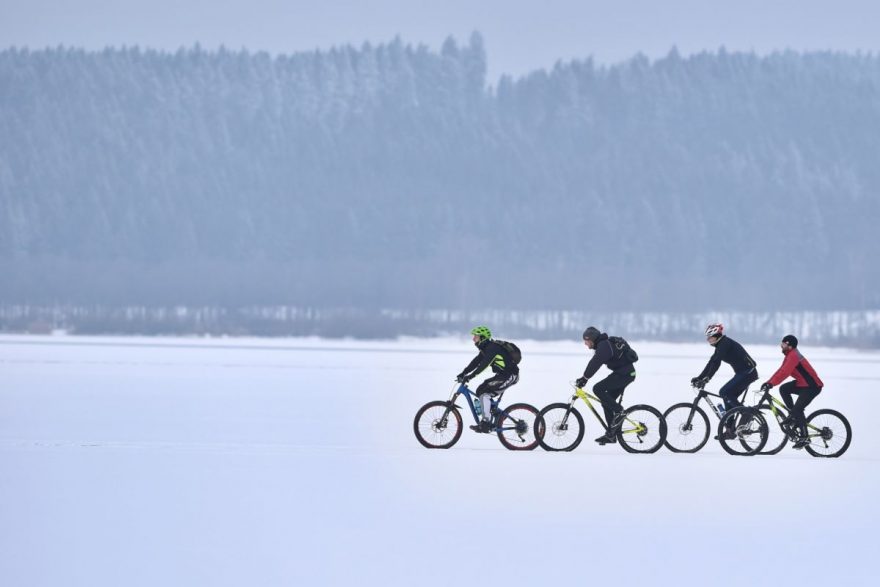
[(263, 462)]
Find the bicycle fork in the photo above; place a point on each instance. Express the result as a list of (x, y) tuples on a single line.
[(563, 426)]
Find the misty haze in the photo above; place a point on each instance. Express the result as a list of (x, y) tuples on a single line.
[(237, 287), (392, 189)]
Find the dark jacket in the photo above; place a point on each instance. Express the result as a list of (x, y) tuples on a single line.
[(491, 353), (732, 353), (603, 354)]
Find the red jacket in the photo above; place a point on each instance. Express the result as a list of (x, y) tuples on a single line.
[(795, 365)]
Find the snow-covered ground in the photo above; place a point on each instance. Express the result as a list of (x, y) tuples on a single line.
[(184, 462)]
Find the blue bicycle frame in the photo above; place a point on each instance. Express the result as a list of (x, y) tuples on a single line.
[(469, 396)]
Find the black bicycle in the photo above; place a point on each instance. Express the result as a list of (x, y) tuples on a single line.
[(742, 431), (829, 431)]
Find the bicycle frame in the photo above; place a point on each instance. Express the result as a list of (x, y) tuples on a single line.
[(775, 404), (781, 412), (469, 395), (586, 397), (703, 394)]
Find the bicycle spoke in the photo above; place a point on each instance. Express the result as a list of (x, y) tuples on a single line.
[(646, 431), (563, 428), (516, 427), (437, 426), (829, 433), (687, 428), (749, 431)]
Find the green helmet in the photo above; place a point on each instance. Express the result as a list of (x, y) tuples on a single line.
[(482, 332)]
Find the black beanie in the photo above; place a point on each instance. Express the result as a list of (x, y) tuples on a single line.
[(591, 333), (791, 340)]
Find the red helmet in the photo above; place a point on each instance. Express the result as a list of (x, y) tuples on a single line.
[(714, 330)]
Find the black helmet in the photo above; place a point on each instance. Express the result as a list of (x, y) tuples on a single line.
[(790, 340), (591, 333)]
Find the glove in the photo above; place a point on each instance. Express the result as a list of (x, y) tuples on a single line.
[(462, 378), (766, 387), (580, 381), (699, 382)]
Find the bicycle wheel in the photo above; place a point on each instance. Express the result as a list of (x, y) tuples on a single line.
[(563, 428), (776, 436), (749, 431), (684, 436), (829, 432), (643, 429), (518, 427), (437, 425)]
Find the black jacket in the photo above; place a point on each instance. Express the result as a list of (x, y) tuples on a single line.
[(603, 354), (731, 352), (491, 353)]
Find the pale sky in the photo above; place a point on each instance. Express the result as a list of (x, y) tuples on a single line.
[(520, 36)]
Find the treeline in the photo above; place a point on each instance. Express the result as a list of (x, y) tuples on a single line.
[(395, 176), (852, 329)]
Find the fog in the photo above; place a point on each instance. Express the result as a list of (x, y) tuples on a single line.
[(521, 36), (392, 178)]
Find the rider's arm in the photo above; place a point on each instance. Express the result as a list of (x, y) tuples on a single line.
[(785, 371), (472, 364), (600, 357), (713, 364), (481, 361)]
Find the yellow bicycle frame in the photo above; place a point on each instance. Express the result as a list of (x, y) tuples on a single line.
[(627, 426), (778, 408)]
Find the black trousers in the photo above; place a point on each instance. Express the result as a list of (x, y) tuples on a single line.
[(611, 388), (796, 407)]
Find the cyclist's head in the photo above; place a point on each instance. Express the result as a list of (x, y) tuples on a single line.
[(790, 340), (482, 331), (591, 335), (714, 331)]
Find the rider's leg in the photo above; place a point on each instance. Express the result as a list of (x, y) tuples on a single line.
[(486, 399), (785, 391), (730, 391), (485, 393), (805, 396), (494, 386), (608, 390)]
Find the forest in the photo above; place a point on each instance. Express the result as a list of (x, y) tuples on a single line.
[(396, 177)]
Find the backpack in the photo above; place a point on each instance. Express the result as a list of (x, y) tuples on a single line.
[(621, 350), (511, 349)]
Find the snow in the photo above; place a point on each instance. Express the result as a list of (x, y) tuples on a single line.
[(148, 462)]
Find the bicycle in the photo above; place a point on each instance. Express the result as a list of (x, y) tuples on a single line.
[(828, 430), (640, 428), (689, 426), (438, 424)]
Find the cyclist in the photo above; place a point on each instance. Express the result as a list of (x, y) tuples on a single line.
[(505, 368), (806, 385), (623, 372), (744, 369)]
